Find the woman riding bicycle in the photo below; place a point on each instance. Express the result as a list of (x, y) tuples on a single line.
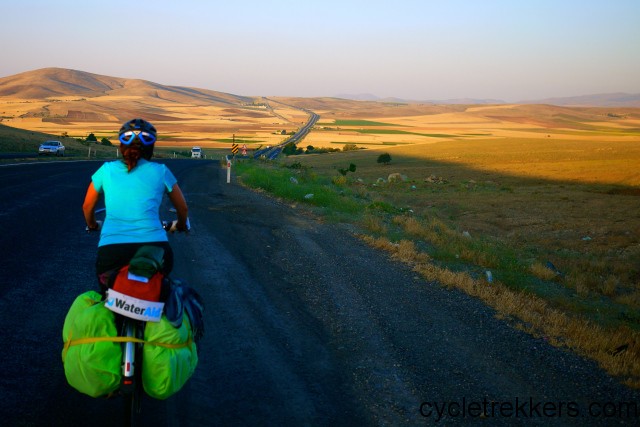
[(133, 189)]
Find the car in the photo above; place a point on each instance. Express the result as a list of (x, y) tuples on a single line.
[(196, 153), (51, 147)]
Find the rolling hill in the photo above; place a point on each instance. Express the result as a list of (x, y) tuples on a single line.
[(63, 102), (61, 82), (82, 96)]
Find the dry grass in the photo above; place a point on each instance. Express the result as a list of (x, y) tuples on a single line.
[(542, 271), (374, 224), (617, 351)]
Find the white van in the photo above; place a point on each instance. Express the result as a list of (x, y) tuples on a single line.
[(196, 153)]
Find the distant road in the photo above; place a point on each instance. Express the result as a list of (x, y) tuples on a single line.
[(273, 152)]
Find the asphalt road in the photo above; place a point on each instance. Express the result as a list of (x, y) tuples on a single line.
[(305, 325)]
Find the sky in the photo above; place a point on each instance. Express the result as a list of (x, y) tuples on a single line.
[(510, 50)]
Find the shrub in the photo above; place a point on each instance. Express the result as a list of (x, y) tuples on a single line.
[(290, 149), (384, 158), (295, 165), (352, 168)]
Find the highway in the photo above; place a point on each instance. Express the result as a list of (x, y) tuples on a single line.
[(272, 153)]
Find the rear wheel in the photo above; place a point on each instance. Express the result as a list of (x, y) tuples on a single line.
[(131, 387), (132, 405)]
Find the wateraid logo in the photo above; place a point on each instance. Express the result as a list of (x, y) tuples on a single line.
[(151, 312)]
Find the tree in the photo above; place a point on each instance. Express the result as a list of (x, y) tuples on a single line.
[(92, 138), (384, 158), (290, 149), (105, 141), (352, 168)]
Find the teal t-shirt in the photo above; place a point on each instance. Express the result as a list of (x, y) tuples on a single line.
[(133, 201)]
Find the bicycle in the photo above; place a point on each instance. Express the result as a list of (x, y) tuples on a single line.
[(132, 314)]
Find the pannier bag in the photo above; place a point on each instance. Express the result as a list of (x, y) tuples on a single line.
[(91, 359), (169, 357), (185, 300)]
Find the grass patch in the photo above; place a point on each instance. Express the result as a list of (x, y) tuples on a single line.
[(299, 185), (20, 141), (372, 143), (402, 132)]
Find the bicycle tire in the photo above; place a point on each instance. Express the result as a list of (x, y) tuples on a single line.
[(132, 393), (128, 412)]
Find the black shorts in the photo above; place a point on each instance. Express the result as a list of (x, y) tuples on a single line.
[(114, 257)]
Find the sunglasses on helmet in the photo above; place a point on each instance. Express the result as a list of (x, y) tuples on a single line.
[(145, 137)]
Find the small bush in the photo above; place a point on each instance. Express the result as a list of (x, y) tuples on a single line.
[(352, 168), (384, 158)]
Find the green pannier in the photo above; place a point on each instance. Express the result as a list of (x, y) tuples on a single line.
[(91, 365), (169, 357)]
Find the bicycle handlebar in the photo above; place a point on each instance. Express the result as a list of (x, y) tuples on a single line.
[(169, 225)]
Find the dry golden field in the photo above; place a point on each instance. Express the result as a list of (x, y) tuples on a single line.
[(179, 125)]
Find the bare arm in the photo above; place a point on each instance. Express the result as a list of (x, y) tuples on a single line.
[(178, 201), (89, 205)]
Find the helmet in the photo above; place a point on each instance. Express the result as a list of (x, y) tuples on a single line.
[(137, 128)]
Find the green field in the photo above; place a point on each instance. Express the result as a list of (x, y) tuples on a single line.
[(401, 132), (353, 123)]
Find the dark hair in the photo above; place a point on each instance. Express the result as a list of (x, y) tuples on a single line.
[(133, 152)]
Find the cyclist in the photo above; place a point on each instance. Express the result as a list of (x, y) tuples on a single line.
[(133, 188)]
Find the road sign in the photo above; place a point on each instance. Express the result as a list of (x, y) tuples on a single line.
[(234, 148)]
